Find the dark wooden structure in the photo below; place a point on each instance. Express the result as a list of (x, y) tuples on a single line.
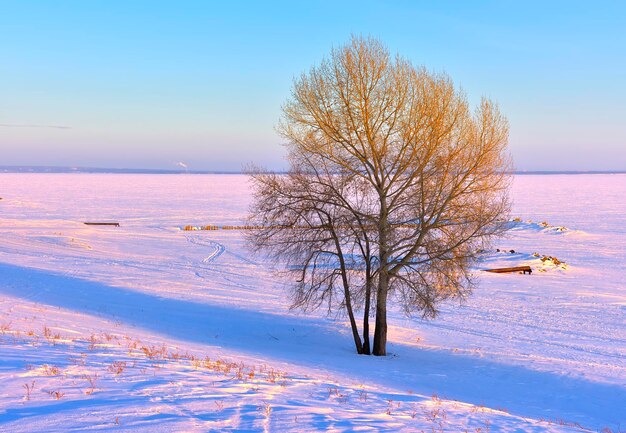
[(521, 269), (103, 224)]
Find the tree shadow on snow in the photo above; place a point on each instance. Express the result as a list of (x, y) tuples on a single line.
[(325, 346)]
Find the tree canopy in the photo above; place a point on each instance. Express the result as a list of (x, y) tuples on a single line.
[(394, 184)]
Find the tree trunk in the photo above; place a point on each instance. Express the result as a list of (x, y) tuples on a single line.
[(348, 302), (366, 316), (346, 291), (380, 332), (355, 330)]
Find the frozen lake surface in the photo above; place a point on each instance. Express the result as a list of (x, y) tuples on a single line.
[(147, 327)]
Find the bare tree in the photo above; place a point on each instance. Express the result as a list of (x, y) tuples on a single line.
[(394, 185)]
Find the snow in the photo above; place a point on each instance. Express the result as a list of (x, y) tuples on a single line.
[(146, 327)]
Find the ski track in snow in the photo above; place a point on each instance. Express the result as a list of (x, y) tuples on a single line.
[(540, 353), (217, 248)]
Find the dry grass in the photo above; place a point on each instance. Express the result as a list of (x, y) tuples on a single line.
[(117, 367), (435, 413), (91, 379), (49, 335), (266, 408), (29, 389), (51, 370), (5, 327), (57, 395)]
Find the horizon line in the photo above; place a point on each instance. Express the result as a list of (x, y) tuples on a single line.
[(71, 169)]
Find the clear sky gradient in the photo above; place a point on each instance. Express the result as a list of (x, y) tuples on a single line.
[(150, 84)]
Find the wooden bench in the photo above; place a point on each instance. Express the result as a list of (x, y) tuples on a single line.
[(522, 269), (103, 224)]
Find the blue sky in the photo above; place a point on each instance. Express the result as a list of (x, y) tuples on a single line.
[(148, 84)]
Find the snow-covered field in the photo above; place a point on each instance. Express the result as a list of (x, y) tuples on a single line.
[(150, 328)]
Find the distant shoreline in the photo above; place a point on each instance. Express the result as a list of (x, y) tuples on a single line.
[(39, 169), (94, 170)]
